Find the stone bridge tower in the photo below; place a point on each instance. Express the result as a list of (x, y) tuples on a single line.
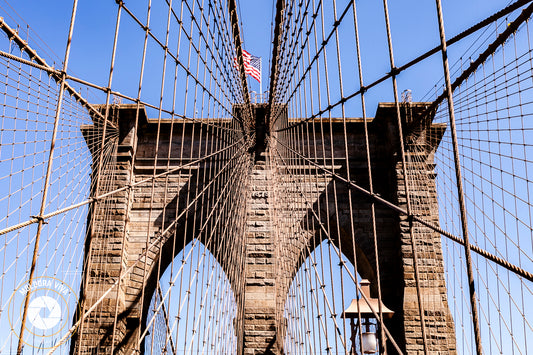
[(269, 267)]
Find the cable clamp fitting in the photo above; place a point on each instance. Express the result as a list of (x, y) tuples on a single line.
[(40, 219)]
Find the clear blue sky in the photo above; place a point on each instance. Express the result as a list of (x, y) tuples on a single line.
[(413, 25)]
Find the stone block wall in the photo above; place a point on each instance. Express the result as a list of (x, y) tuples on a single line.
[(125, 229), (299, 222), (281, 230), (260, 323)]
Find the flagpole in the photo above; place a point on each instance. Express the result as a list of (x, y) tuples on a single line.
[(261, 79)]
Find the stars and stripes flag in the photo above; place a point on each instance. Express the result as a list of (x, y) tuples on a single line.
[(252, 65)]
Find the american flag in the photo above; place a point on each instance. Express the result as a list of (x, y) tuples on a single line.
[(252, 65)]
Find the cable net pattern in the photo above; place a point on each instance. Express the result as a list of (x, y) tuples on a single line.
[(494, 130), (185, 219), (319, 140)]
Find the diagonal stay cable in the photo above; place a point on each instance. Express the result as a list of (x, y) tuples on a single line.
[(57, 75), (342, 262), (500, 261), (201, 230), (511, 28), (103, 296), (110, 193), (155, 242), (54, 72), (399, 69), (232, 8), (193, 202)]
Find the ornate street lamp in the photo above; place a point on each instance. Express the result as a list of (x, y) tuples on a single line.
[(369, 340)]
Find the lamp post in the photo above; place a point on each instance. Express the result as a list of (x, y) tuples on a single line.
[(362, 310)]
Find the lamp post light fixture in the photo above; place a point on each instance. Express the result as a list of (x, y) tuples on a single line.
[(363, 309)]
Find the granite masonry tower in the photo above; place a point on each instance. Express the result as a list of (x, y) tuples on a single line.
[(268, 265)]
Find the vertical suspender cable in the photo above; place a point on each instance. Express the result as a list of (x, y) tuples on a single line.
[(459, 181), (370, 187), (47, 179), (113, 55), (406, 180)]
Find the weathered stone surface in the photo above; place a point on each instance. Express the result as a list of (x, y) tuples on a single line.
[(260, 323), (276, 214)]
